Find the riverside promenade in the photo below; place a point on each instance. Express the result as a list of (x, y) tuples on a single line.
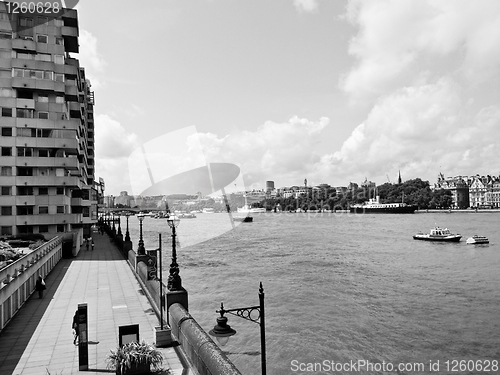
[(39, 339)]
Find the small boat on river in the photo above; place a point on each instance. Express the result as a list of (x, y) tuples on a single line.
[(475, 239), (438, 234)]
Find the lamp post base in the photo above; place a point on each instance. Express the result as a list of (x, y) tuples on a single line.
[(163, 337)]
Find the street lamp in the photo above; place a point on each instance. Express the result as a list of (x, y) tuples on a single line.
[(174, 280), (222, 331), (140, 249), (113, 219), (127, 234), (119, 224)]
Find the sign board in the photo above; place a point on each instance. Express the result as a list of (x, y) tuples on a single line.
[(83, 341), (128, 334)]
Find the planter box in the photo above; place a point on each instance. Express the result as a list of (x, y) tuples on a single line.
[(142, 368), (163, 337)]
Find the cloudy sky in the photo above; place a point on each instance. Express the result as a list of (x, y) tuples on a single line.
[(331, 91)]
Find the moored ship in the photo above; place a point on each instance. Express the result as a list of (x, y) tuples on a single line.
[(373, 206)]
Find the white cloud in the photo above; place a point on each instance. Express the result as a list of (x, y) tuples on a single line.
[(113, 146), (421, 131), (284, 152), (399, 40), (91, 59), (306, 5)]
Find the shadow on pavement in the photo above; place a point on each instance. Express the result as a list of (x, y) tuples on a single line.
[(17, 334)]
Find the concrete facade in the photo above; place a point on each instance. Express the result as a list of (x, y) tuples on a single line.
[(47, 127)]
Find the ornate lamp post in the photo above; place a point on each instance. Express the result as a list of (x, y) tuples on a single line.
[(174, 280), (113, 220), (127, 234), (222, 331), (119, 224), (140, 249)]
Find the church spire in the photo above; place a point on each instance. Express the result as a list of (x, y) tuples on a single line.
[(399, 178)]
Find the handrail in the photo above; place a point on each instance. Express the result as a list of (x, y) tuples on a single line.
[(25, 262)]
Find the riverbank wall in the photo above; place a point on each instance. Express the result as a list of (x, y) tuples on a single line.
[(196, 346)]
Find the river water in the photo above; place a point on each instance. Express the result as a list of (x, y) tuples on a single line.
[(345, 288)]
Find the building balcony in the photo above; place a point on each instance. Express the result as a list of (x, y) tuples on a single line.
[(68, 181), (25, 103), (67, 163), (7, 200), (70, 35), (71, 92), (25, 200), (80, 202), (68, 144), (24, 45), (49, 219)]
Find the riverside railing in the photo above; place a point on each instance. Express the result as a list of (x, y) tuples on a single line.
[(195, 344), (17, 280)]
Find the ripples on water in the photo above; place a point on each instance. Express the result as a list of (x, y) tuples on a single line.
[(343, 287)]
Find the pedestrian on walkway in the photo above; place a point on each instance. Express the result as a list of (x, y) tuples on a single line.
[(74, 326), (92, 244), (40, 286), (87, 243)]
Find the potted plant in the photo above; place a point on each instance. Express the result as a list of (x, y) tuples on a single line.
[(135, 358)]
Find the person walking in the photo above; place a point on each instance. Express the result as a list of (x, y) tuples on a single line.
[(87, 243), (40, 286), (74, 326), (92, 244)]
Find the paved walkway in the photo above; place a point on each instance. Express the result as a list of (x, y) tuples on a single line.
[(39, 338)]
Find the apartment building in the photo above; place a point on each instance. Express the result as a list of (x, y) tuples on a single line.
[(47, 127)]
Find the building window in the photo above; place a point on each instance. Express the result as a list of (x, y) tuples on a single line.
[(43, 153), (43, 191), (59, 77), (25, 210), (6, 132), (60, 191), (24, 151), (6, 190), (59, 59), (42, 20), (43, 210), (6, 171), (24, 113), (25, 21), (6, 151), (60, 99), (6, 210), (43, 57), (60, 209), (6, 112), (43, 98), (43, 229), (42, 38), (43, 115), (4, 16), (24, 55), (25, 171), (6, 231), (43, 133), (60, 228), (24, 190), (59, 40), (17, 72)]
